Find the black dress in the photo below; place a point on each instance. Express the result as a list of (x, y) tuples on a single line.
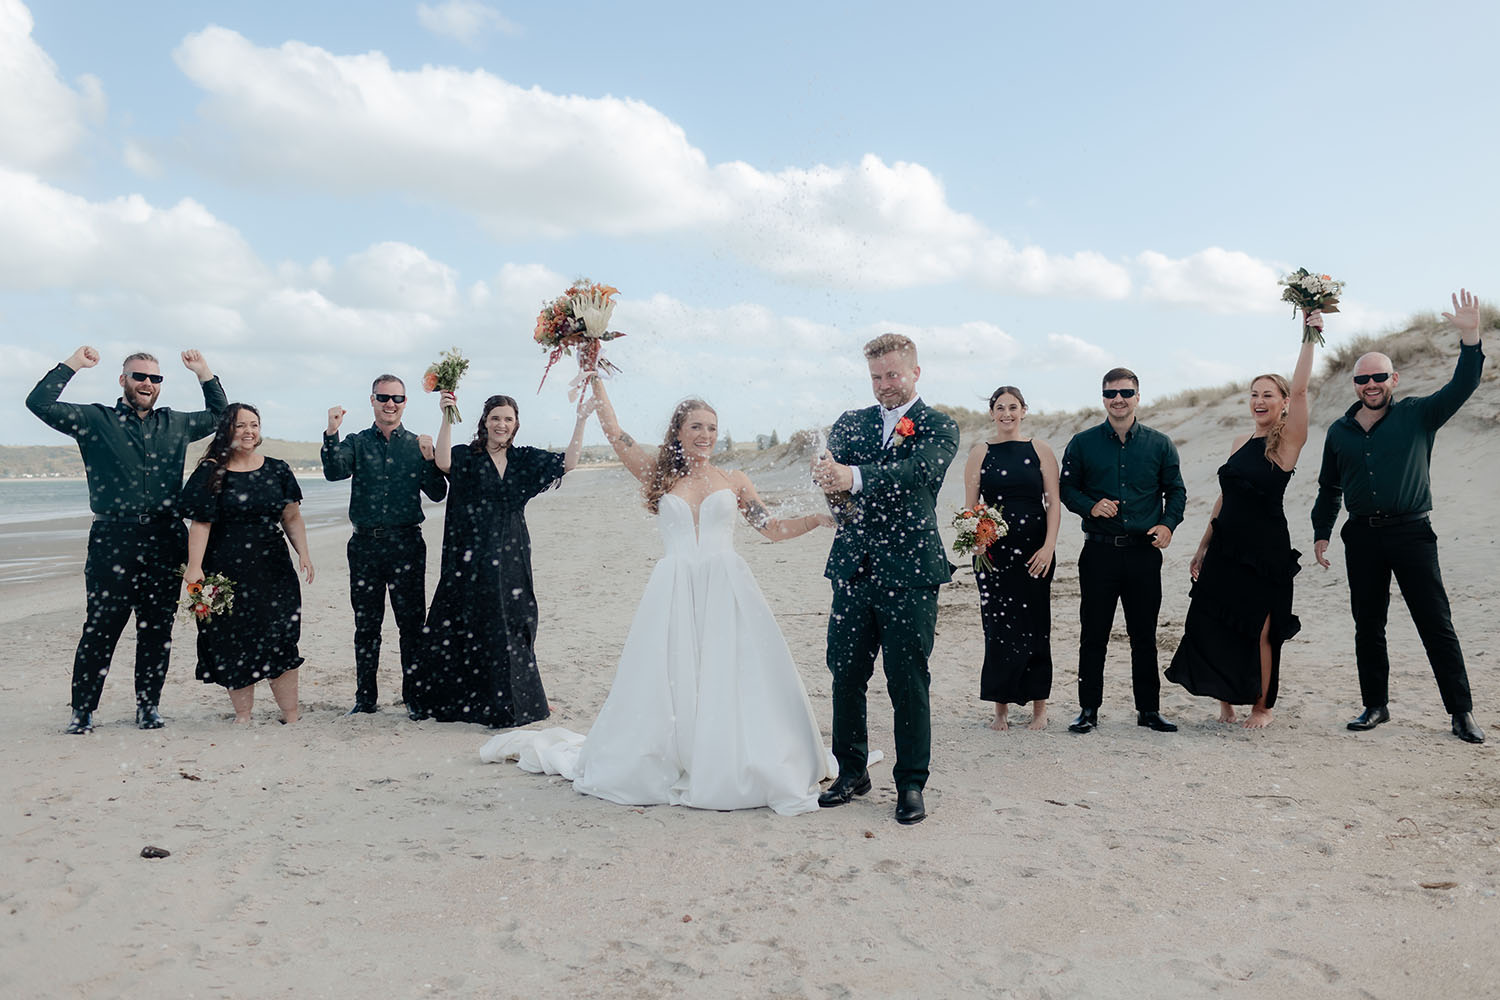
[(1015, 607), (1246, 577), (477, 662), (258, 639)]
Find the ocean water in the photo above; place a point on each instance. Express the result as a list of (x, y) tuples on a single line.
[(44, 523)]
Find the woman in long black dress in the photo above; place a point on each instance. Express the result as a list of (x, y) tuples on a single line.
[(244, 508), (1241, 608), (1019, 475), (477, 662)]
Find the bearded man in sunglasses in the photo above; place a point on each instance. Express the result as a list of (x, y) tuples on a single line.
[(386, 552), (1376, 458), (133, 456), (1124, 480)]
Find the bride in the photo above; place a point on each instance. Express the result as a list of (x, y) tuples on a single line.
[(707, 708)]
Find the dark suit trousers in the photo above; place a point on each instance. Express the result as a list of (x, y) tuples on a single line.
[(1409, 551), (899, 623), (393, 561), (130, 569), (1129, 576)]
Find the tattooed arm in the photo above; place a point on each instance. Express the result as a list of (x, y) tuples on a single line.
[(776, 529), (634, 457)]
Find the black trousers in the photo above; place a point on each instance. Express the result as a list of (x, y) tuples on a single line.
[(898, 623), (130, 569), (1129, 576), (394, 561), (1409, 551)]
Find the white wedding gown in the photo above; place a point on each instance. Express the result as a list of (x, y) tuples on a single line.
[(707, 709)]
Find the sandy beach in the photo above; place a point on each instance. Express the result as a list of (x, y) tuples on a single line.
[(374, 856)]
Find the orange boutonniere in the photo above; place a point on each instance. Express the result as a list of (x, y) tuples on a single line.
[(904, 429)]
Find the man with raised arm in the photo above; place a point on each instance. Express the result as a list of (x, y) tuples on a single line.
[(387, 552), (1376, 457), (133, 454)]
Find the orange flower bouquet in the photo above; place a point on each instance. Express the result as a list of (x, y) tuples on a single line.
[(979, 527), (213, 595), (578, 319), (444, 375)]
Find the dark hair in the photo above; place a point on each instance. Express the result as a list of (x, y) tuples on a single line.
[(219, 448), (1120, 375), (1007, 390), (671, 463), (481, 435), (388, 378)]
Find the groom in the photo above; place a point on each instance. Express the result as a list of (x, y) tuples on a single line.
[(882, 471)]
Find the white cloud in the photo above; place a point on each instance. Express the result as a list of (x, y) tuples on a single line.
[(529, 162), (41, 117), (463, 20), (139, 160), (1223, 281), (1066, 351)]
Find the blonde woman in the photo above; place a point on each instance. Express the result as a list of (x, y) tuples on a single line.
[(1241, 610)]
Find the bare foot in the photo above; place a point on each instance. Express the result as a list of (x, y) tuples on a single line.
[(1038, 716), (242, 720), (1260, 718), (289, 718), (1002, 718), (1226, 713)]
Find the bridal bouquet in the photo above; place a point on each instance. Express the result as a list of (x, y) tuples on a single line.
[(1311, 292), (979, 527), (578, 319), (213, 595), (444, 375)]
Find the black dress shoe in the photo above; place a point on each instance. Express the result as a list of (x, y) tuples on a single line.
[(909, 807), (147, 717), (1153, 720), (362, 708), (1372, 716), (1466, 729), (416, 714), (82, 722), (1087, 721), (844, 788)]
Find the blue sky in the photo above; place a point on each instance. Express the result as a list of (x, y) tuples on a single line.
[(312, 193)]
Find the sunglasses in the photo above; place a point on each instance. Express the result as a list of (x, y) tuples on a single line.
[(389, 397), (143, 376), (1377, 378), (1122, 393)]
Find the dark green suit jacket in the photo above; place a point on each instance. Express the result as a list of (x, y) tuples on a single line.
[(891, 523)]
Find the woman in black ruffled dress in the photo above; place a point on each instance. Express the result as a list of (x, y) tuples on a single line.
[(244, 509), (1241, 609)]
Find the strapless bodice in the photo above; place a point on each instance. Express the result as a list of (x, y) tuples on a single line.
[(712, 535)]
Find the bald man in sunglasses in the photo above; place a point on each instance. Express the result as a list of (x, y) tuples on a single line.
[(133, 455), (1376, 459)]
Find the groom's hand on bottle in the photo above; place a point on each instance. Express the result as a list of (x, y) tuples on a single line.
[(831, 476)]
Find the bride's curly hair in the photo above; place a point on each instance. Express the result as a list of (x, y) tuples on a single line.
[(671, 463)]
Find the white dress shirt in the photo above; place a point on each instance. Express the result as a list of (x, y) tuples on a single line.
[(888, 421)]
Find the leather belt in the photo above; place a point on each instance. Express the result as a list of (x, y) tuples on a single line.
[(1388, 520), (1117, 541), (377, 531), (137, 518)]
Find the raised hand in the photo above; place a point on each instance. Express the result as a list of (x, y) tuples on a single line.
[(335, 419), (194, 362), (1465, 315), (425, 446), (84, 357)]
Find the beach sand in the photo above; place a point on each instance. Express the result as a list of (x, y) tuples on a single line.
[(374, 856)]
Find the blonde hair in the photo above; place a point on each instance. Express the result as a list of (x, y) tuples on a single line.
[(671, 463), (1273, 436), (888, 342)]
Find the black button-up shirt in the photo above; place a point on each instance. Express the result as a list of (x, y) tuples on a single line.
[(1141, 472), (133, 463), (387, 476), (1385, 471)]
